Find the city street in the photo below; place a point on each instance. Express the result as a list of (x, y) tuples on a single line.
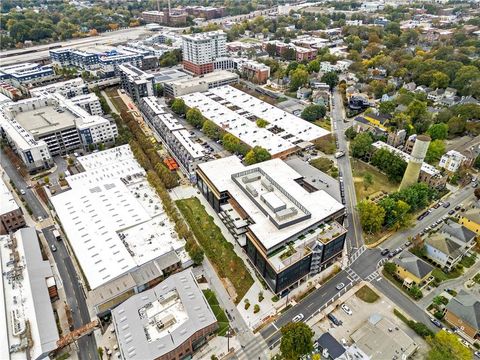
[(75, 296)]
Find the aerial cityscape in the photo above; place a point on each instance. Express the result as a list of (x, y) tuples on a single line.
[(233, 179)]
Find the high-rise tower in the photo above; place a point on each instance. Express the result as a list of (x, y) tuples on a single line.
[(416, 160)]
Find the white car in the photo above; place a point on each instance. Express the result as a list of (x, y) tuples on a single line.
[(347, 310), (22, 192), (298, 318)]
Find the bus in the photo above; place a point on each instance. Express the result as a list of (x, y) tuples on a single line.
[(56, 234)]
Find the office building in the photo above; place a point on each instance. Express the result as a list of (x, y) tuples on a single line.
[(135, 82), (11, 215), (169, 321), (42, 127), (27, 324), (452, 161), (282, 136), (117, 227), (26, 74), (202, 49), (173, 135), (189, 85), (289, 229), (428, 173)]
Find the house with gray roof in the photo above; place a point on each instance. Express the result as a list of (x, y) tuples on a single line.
[(169, 321), (412, 270), (463, 312)]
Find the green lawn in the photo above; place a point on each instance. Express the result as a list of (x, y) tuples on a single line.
[(324, 123), (468, 261), (366, 294), (326, 144), (380, 181), (218, 250), (325, 165), (218, 311), (440, 275)]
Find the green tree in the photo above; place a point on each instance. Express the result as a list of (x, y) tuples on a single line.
[(231, 143), (178, 106), (390, 268), (196, 254), (435, 151), (296, 340), (387, 107), (371, 216), (416, 110), (261, 123), (159, 89), (313, 112), (415, 292), (367, 180), (438, 131), (195, 117), (331, 79), (466, 79), (298, 78), (361, 145), (256, 155), (211, 129), (350, 133), (446, 346), (293, 65), (313, 66), (456, 125), (391, 164), (396, 212)]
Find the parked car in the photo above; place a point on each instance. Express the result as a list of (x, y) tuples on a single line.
[(298, 318), (333, 319), (464, 343), (384, 252), (436, 322), (451, 212), (347, 310), (446, 205), (436, 206), (458, 207), (22, 192), (408, 243), (53, 247), (477, 354), (340, 286)]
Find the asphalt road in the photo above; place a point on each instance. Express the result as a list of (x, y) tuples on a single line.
[(308, 306), (355, 237), (74, 293), (30, 197)]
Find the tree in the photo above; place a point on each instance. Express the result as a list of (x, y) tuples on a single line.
[(456, 125), (331, 79), (195, 117), (271, 50), (477, 193), (415, 292), (387, 107), (298, 78), (261, 123), (350, 133), (416, 110), (296, 340), (438, 131), (178, 106), (391, 164), (446, 346), (371, 216), (211, 129), (435, 151), (361, 145), (390, 268), (196, 253), (313, 112), (396, 212), (313, 66), (367, 180), (231, 143), (159, 89), (256, 155)]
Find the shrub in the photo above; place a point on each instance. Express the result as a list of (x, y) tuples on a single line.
[(256, 308), (260, 296)]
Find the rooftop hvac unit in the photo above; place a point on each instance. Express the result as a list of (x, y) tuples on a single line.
[(251, 190)]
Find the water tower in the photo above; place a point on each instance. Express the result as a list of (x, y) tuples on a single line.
[(416, 160)]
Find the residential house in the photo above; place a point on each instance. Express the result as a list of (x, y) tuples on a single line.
[(452, 161), (413, 270), (463, 312), (471, 219), (321, 97), (397, 138), (411, 86), (378, 121), (303, 93), (449, 244)]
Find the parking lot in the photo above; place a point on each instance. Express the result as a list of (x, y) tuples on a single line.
[(360, 313)]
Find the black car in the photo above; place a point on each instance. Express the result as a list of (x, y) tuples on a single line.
[(451, 212), (333, 319), (385, 252), (420, 218), (446, 205)]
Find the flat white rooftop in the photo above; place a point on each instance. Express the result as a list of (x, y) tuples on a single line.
[(113, 219), (7, 201), (312, 208)]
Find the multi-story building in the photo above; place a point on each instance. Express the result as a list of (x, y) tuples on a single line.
[(289, 229), (452, 161), (253, 70), (172, 17), (101, 63), (173, 135), (10, 91), (135, 82), (117, 227), (89, 102), (188, 85), (68, 89), (26, 74), (27, 322), (11, 215), (282, 135), (301, 53), (412, 270), (168, 322), (42, 127), (201, 50), (471, 219), (463, 312), (206, 12), (428, 173)]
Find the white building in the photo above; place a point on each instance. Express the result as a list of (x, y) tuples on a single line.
[(26, 74), (173, 135), (339, 66), (186, 86), (202, 49), (27, 324), (68, 88), (117, 227), (88, 102), (452, 160)]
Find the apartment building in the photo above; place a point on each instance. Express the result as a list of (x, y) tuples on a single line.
[(452, 161), (172, 17), (252, 70), (288, 228), (206, 12), (68, 88), (137, 83), (26, 74), (188, 85), (11, 215), (202, 49)]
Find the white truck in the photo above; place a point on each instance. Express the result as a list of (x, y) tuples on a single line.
[(56, 234), (339, 154)]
